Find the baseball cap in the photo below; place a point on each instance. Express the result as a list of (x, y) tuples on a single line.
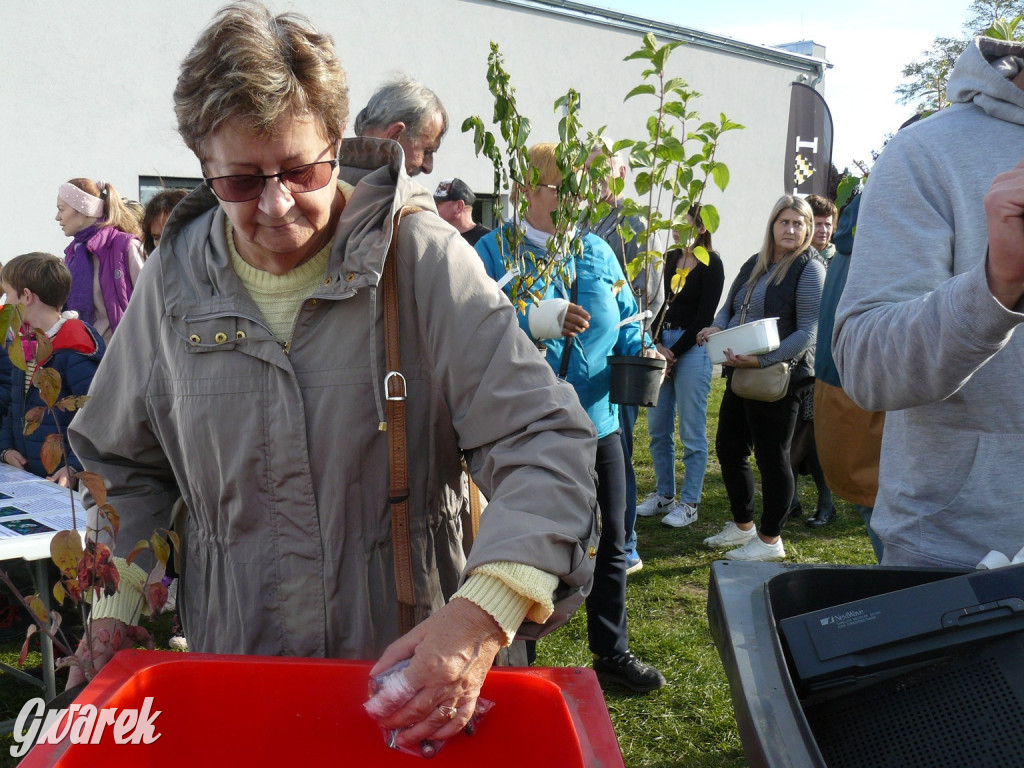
[(454, 189)]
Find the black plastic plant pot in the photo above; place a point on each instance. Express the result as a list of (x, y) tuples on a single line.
[(635, 380)]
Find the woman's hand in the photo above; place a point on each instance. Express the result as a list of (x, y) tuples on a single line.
[(450, 654), (704, 333), (670, 359), (577, 320), (14, 458), (741, 361), (108, 637), (60, 477)]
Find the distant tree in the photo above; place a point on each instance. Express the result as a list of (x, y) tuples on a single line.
[(834, 177), (928, 75), (982, 14)]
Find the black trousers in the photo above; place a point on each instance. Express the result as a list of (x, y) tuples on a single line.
[(767, 430), (606, 603)]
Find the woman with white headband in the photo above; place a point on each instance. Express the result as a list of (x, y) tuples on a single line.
[(105, 255)]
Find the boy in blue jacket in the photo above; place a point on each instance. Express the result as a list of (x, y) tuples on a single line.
[(40, 283)]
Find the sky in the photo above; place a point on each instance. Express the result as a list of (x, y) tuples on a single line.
[(867, 41)]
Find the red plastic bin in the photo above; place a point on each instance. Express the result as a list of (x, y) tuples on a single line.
[(248, 710)]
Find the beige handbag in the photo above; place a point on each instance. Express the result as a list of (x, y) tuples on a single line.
[(764, 384)]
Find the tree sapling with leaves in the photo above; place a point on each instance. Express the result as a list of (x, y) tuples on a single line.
[(671, 166)]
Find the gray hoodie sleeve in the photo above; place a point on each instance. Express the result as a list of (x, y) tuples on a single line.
[(916, 319)]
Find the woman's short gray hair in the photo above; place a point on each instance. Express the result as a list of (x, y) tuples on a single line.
[(402, 101), (254, 67)]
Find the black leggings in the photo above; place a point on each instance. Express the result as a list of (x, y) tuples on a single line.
[(606, 603), (767, 429)]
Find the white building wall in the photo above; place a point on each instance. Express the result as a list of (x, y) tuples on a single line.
[(86, 91)]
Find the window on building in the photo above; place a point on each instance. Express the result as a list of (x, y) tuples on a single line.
[(150, 185)]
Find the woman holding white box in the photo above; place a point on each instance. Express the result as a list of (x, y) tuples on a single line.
[(783, 280)]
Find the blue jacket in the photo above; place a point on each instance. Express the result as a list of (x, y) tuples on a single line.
[(835, 280), (77, 350), (597, 272)]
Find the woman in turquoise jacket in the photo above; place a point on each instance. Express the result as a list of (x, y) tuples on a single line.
[(584, 312)]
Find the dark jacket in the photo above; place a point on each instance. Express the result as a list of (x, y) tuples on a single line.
[(781, 301), (77, 351)]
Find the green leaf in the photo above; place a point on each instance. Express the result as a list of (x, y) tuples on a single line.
[(642, 183), (847, 186), (501, 109), (8, 318), (642, 89), (639, 54), (671, 152), (676, 109), (675, 85), (720, 175), (709, 216), (729, 125), (16, 353), (660, 57), (701, 254), (634, 267)]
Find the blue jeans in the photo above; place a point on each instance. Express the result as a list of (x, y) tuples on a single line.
[(876, 543), (684, 393)]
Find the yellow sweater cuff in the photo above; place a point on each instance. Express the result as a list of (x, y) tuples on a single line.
[(127, 603), (511, 592)]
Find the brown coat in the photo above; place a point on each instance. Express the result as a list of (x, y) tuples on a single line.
[(849, 441)]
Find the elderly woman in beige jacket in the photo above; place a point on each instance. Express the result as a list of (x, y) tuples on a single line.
[(248, 377)]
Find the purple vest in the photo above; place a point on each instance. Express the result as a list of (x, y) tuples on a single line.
[(112, 249)]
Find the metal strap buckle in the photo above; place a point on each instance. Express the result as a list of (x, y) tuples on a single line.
[(387, 389)]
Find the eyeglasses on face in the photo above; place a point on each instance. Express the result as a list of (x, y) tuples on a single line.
[(241, 188)]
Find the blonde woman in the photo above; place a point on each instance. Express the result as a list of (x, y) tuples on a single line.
[(783, 280), (105, 254)]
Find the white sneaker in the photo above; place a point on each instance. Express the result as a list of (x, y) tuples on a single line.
[(682, 515), (654, 505), (756, 549), (730, 536)]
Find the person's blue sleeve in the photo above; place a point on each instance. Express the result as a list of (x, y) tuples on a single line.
[(632, 336), (490, 254)]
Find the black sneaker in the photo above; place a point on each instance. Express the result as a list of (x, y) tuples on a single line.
[(627, 671)]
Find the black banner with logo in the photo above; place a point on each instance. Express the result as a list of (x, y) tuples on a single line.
[(809, 144)]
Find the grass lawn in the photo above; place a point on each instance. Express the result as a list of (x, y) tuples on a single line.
[(690, 721)]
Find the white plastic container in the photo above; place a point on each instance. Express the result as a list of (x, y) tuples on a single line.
[(754, 338)]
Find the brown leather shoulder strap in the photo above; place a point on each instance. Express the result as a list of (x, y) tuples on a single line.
[(398, 450)]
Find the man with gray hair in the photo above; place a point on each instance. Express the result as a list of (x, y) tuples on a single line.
[(411, 114)]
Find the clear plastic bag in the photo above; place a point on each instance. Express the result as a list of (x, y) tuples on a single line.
[(390, 691)]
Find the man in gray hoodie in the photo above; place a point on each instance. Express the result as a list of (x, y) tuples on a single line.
[(925, 327)]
